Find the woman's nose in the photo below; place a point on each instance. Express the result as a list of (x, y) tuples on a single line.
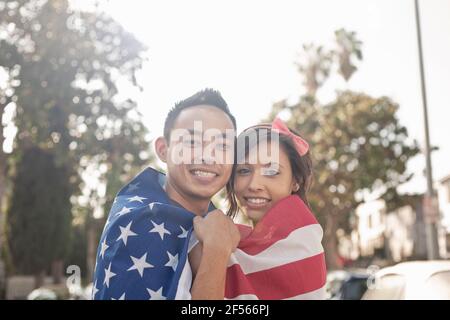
[(256, 182)]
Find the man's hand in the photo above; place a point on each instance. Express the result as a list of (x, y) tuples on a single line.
[(217, 231), (218, 238)]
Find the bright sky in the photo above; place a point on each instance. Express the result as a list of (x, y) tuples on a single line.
[(246, 49)]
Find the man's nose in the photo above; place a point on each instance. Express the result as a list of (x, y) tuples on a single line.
[(207, 159), (209, 153)]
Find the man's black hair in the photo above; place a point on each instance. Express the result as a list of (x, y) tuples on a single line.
[(207, 96)]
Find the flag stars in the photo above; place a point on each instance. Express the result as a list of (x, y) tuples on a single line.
[(122, 297), (140, 264), (159, 228), (136, 198), (133, 187), (126, 232), (156, 295), (173, 261), (124, 210), (94, 290), (103, 249), (108, 275), (183, 233)]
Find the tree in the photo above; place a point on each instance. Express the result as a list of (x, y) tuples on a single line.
[(357, 144), (347, 47), (37, 228), (63, 67), (314, 65)]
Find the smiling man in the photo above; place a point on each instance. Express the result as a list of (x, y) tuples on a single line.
[(156, 220)]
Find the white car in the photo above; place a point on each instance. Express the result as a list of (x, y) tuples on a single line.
[(417, 280)]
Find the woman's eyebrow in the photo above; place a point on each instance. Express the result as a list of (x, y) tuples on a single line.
[(273, 164)]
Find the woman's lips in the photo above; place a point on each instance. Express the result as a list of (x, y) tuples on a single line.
[(256, 202)]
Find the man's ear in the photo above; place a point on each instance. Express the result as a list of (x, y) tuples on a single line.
[(161, 148)]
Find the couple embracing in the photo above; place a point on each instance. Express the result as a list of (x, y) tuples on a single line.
[(164, 239)]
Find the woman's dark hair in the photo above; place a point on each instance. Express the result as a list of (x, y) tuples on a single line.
[(301, 165)]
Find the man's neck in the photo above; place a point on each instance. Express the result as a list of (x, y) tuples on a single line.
[(197, 206)]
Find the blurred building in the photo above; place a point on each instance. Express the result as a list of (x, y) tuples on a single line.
[(443, 189), (397, 235)]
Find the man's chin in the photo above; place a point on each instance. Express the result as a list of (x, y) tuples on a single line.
[(204, 192), (206, 195)]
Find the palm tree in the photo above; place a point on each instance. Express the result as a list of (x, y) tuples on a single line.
[(347, 47), (314, 65)]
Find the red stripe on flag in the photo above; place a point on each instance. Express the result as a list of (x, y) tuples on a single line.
[(285, 281), (269, 230)]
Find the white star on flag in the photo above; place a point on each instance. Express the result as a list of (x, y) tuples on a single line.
[(133, 187), (124, 210), (136, 198), (94, 290), (108, 275), (125, 232), (122, 297), (140, 264), (173, 261), (159, 228), (103, 249), (156, 295), (184, 233)]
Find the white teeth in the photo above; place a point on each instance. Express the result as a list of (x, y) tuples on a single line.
[(203, 173), (257, 200)]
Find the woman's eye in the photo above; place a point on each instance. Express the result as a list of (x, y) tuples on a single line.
[(270, 172)]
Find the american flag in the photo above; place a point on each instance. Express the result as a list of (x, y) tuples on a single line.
[(143, 248), (282, 258)]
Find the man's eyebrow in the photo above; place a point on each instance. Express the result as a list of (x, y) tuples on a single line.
[(195, 132), (225, 135), (199, 132)]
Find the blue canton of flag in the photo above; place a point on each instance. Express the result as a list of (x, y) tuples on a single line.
[(144, 246)]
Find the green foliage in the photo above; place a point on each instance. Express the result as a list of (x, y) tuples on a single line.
[(39, 218), (357, 144), (63, 68), (316, 63)]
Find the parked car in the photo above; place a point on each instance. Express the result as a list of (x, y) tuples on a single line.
[(61, 292), (42, 294), (418, 280), (346, 284)]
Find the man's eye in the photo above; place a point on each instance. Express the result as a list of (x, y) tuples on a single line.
[(192, 143), (223, 146), (243, 171)]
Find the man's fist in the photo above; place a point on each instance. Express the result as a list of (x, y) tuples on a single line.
[(217, 231)]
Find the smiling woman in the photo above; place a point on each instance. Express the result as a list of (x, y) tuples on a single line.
[(281, 257), (274, 164)]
